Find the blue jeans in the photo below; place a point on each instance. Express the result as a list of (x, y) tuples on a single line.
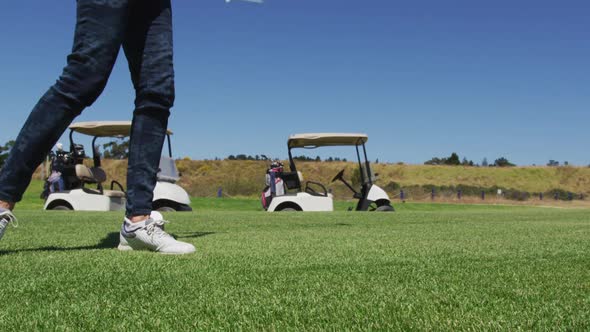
[(144, 29)]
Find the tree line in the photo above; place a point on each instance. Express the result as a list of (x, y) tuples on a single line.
[(454, 160), (120, 150), (298, 158)]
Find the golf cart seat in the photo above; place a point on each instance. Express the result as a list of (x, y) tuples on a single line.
[(113, 193), (292, 180), (96, 175), (90, 175)]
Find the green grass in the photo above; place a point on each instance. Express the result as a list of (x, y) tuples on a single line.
[(425, 267)]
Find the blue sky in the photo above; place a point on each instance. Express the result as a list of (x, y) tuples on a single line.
[(422, 78)]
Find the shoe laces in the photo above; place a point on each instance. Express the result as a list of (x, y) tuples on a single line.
[(9, 217), (156, 228)]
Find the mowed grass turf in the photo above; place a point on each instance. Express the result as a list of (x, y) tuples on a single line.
[(425, 267)]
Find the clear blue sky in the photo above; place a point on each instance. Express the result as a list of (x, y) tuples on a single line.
[(422, 78)]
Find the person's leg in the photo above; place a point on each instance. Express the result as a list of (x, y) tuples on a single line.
[(148, 47), (98, 36), (61, 185)]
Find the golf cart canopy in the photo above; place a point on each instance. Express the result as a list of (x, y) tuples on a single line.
[(105, 128), (326, 139)]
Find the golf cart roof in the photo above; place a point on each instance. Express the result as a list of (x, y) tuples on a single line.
[(105, 128), (326, 139)]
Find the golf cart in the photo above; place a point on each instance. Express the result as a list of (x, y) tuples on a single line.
[(72, 192), (279, 195)]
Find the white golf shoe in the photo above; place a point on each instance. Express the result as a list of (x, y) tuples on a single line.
[(124, 245), (150, 235), (6, 217)]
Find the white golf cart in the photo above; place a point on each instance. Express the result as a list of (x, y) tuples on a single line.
[(74, 193), (315, 197)]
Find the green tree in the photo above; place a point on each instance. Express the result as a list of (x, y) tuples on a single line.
[(453, 160), (503, 162), (436, 161), (115, 150), (466, 162), (4, 150)]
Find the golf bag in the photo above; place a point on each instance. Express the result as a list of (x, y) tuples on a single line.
[(62, 172), (274, 184)]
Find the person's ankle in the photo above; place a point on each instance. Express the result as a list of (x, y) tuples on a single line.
[(7, 205), (136, 219)]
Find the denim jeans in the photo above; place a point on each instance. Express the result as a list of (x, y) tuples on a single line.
[(144, 29)]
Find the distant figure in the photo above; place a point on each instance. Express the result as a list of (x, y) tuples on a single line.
[(56, 178)]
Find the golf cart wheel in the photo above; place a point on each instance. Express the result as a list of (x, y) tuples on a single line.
[(288, 210), (385, 208), (61, 208), (184, 208), (172, 207), (165, 209)]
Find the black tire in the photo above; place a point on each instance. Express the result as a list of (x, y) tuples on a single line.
[(288, 210), (184, 208), (61, 208), (166, 209), (385, 208)]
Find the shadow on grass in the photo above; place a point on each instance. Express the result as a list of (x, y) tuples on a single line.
[(110, 241), (192, 235)]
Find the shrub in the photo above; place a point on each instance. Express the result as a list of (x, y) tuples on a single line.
[(503, 162)]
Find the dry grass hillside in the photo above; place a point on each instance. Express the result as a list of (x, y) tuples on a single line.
[(246, 178)]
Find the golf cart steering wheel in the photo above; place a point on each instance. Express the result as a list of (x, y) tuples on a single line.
[(338, 176)]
